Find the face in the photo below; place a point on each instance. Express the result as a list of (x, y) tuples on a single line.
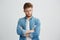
[(28, 12)]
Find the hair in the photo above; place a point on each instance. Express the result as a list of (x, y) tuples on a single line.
[(27, 5)]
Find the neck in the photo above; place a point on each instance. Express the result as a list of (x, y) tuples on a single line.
[(28, 18)]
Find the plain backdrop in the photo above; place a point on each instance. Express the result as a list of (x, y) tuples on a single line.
[(48, 11)]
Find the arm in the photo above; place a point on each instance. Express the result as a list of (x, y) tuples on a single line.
[(20, 30), (36, 29)]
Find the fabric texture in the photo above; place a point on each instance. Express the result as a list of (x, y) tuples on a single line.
[(34, 23)]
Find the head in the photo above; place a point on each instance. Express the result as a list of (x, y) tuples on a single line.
[(28, 8)]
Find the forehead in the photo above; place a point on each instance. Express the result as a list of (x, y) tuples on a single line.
[(30, 8)]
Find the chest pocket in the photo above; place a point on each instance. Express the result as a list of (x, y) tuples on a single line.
[(32, 25)]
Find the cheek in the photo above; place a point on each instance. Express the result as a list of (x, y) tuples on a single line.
[(26, 13), (30, 12)]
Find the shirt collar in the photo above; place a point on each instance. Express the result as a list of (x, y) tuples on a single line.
[(30, 18)]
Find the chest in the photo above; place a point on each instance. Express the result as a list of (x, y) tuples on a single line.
[(30, 24)]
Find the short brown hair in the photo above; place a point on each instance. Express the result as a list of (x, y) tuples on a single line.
[(27, 5)]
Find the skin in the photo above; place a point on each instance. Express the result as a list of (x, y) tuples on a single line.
[(28, 13)]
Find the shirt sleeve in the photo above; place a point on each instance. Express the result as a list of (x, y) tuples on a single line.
[(20, 30), (36, 29)]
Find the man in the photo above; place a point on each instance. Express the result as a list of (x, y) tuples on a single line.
[(28, 27)]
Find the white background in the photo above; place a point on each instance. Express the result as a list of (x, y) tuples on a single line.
[(48, 11)]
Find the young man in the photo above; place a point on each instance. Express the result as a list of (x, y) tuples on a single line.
[(28, 27)]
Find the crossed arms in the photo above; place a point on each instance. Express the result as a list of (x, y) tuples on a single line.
[(32, 33)]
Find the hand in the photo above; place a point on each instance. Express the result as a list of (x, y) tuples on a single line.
[(27, 35), (29, 31)]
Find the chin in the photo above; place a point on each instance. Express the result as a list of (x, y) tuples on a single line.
[(29, 16)]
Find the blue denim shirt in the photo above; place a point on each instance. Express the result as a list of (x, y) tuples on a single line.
[(34, 24)]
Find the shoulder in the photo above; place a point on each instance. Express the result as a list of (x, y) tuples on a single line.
[(21, 19), (36, 19)]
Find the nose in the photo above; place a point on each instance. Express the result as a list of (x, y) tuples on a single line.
[(28, 12)]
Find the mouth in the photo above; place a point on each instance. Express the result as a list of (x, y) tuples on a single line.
[(28, 15)]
